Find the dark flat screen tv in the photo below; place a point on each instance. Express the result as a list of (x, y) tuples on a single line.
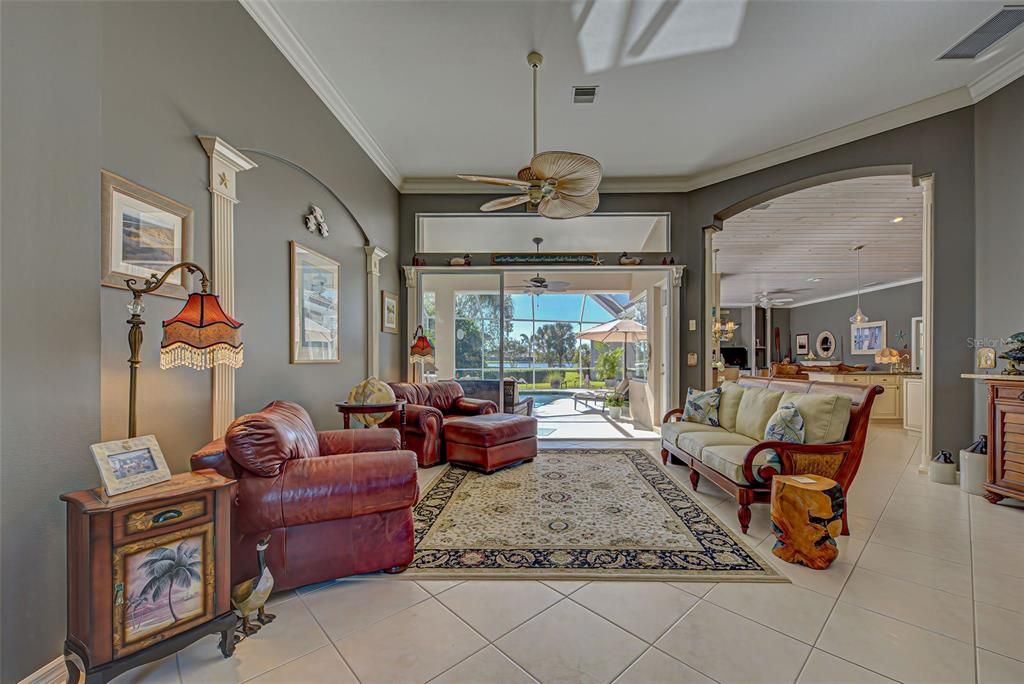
[(735, 356)]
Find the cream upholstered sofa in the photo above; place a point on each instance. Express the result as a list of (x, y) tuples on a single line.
[(735, 455)]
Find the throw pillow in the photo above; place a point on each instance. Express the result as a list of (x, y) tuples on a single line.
[(729, 406), (785, 425), (702, 407)]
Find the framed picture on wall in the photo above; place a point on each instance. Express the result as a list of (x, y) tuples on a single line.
[(803, 344), (389, 312), (315, 309), (867, 338), (144, 233)]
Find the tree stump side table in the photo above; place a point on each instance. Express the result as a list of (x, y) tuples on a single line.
[(807, 516)]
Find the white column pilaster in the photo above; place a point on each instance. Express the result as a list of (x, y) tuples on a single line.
[(412, 307), (373, 313), (225, 163)]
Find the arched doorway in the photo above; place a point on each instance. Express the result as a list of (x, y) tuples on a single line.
[(788, 260)]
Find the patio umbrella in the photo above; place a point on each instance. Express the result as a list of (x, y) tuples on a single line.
[(624, 330)]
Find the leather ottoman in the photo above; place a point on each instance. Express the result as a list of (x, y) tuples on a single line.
[(491, 441)]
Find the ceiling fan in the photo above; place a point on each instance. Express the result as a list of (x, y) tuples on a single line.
[(538, 284), (559, 185), (768, 300)]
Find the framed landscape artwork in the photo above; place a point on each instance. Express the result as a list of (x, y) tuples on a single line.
[(803, 344), (315, 309), (389, 312), (167, 583), (867, 338), (143, 233)]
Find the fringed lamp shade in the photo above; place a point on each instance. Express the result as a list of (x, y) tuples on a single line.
[(421, 350), (201, 336), (887, 355)]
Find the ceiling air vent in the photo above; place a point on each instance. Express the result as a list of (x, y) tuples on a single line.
[(584, 94), (988, 34)]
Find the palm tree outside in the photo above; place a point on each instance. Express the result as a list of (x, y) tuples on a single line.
[(166, 568)]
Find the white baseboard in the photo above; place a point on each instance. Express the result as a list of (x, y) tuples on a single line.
[(54, 672)]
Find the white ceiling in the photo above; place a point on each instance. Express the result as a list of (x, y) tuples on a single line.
[(431, 88), (808, 234)]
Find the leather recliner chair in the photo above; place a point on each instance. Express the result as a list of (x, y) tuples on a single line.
[(336, 503), (428, 407)]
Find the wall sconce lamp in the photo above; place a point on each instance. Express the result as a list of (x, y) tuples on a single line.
[(200, 336)]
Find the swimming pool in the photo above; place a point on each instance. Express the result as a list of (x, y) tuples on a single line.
[(545, 398)]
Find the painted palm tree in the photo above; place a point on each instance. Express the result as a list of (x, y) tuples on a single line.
[(167, 568)]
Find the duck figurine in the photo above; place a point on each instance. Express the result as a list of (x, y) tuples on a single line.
[(252, 594), (626, 260), (464, 260)]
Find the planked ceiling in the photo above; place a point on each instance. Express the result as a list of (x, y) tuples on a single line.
[(809, 234)]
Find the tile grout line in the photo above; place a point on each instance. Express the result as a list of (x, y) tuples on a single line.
[(680, 660), (821, 631), (330, 640)]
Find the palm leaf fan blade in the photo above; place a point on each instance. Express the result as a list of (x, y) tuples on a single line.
[(492, 180), (505, 202), (565, 207), (576, 174)]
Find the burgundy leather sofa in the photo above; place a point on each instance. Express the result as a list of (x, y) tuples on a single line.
[(429, 406), (336, 503)]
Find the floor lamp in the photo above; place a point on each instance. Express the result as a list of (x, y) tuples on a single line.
[(200, 336)]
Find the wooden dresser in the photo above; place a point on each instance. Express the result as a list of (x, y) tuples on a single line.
[(1005, 436), (120, 548)]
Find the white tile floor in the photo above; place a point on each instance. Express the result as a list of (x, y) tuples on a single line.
[(929, 588)]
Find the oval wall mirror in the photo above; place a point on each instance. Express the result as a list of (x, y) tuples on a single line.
[(826, 345)]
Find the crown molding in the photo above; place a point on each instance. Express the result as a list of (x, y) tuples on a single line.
[(295, 51), (853, 293), (924, 109), (1002, 75), (288, 42)]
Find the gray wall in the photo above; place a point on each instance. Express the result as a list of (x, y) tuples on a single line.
[(51, 310), (896, 306), (943, 146), (126, 87), (999, 165), (233, 82)]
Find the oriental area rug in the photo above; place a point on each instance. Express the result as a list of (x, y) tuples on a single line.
[(576, 514)]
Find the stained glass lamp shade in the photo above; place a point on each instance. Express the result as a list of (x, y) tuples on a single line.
[(421, 351), (201, 336)]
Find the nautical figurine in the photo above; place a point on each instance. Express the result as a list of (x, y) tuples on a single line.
[(464, 260), (252, 594), (1014, 355), (626, 260)]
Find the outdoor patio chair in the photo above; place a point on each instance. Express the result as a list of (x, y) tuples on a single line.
[(598, 395)]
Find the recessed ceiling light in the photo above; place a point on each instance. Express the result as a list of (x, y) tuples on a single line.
[(814, 280), (897, 219)]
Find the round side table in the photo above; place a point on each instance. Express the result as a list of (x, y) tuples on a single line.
[(346, 410)]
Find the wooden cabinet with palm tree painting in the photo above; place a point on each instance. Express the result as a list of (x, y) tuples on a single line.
[(148, 573)]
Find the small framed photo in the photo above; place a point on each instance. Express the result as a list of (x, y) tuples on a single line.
[(389, 312), (143, 233), (867, 338), (803, 344), (986, 358), (315, 309), (129, 464)]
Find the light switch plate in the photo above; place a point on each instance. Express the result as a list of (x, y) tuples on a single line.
[(693, 324)]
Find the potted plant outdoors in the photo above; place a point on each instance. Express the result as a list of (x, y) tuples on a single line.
[(555, 379), (609, 363), (615, 403)]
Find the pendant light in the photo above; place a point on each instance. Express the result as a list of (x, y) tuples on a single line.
[(858, 316)]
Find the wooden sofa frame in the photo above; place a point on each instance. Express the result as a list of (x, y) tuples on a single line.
[(796, 458)]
